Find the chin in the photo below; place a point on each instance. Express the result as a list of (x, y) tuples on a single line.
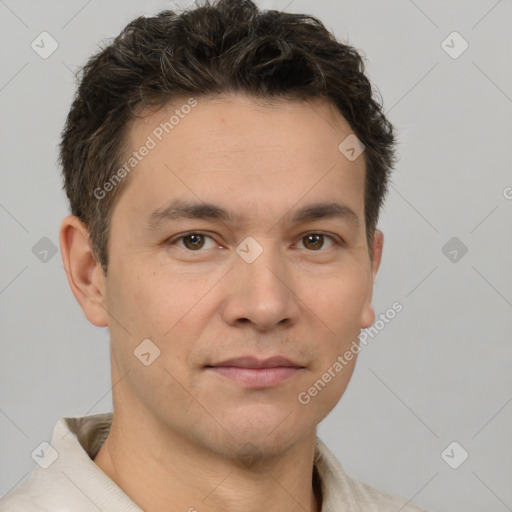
[(271, 438), (251, 448)]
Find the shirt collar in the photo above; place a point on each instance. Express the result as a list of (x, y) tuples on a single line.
[(80, 439)]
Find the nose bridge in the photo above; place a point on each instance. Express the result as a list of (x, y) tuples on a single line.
[(261, 292)]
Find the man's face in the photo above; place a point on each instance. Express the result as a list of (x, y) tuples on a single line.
[(299, 289)]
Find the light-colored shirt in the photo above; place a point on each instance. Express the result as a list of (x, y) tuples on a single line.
[(66, 479)]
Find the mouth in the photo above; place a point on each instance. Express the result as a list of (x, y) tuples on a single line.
[(255, 373)]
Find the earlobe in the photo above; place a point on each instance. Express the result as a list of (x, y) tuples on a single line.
[(368, 316), (85, 275)]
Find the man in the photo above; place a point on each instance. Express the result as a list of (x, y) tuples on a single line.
[(225, 169)]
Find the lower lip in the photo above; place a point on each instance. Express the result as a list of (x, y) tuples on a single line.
[(257, 377)]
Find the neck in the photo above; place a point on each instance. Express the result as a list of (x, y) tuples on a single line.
[(164, 469)]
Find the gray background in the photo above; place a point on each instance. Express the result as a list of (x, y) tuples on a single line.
[(439, 372)]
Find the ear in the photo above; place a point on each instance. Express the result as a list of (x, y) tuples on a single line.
[(368, 314), (84, 273)]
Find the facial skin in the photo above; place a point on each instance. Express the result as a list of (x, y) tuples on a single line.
[(178, 426)]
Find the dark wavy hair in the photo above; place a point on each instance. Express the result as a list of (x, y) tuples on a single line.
[(220, 47)]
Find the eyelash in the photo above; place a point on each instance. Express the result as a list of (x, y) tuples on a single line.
[(175, 239)]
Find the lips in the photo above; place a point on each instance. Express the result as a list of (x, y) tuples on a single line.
[(254, 373), (254, 362)]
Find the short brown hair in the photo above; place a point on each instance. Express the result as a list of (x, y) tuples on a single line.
[(225, 46)]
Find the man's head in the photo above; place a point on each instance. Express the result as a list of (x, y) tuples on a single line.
[(231, 47), (240, 231)]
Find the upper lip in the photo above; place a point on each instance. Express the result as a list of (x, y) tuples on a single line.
[(254, 362)]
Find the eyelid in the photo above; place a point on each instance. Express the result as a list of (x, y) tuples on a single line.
[(177, 238), (336, 239)]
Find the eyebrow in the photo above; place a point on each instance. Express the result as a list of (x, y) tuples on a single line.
[(180, 209)]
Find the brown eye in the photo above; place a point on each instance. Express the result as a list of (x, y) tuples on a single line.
[(313, 242), (316, 242), (193, 241)]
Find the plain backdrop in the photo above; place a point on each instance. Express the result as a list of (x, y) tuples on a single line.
[(438, 373)]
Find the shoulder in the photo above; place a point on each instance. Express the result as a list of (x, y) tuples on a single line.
[(64, 471), (20, 500), (44, 491), (371, 499), (342, 490)]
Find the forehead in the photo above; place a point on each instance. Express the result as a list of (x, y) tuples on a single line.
[(242, 153), (217, 124)]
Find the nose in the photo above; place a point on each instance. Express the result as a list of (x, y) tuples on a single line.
[(260, 293)]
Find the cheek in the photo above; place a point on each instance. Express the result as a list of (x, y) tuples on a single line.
[(143, 306), (338, 307), (128, 296), (147, 302), (170, 310), (340, 300)]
